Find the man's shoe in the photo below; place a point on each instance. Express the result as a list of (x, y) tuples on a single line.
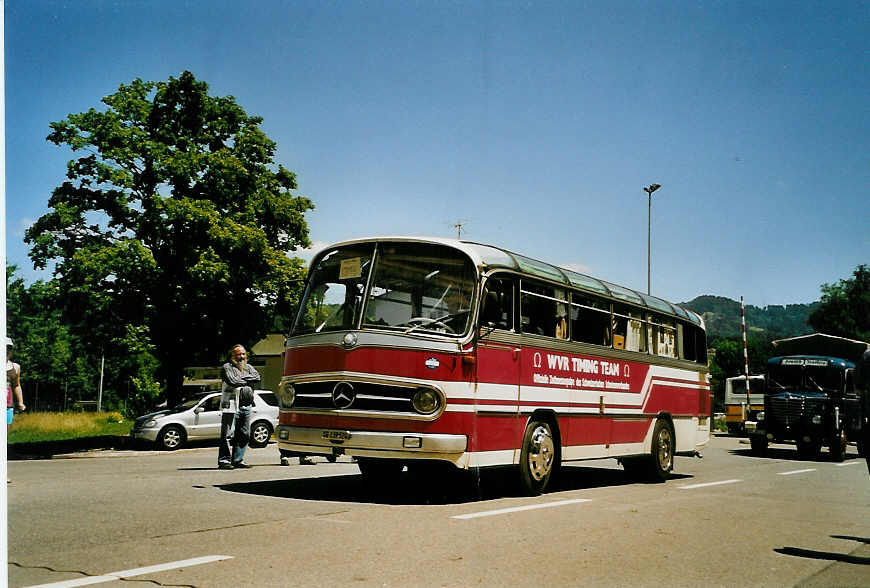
[(225, 466), (305, 460), (240, 465), (285, 461)]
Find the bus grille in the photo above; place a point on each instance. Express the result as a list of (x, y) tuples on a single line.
[(786, 410), (366, 397)]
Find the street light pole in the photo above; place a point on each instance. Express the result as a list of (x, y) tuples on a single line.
[(649, 190)]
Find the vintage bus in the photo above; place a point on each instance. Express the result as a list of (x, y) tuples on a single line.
[(411, 351), (739, 408)]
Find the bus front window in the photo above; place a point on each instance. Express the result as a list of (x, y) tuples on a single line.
[(333, 300), (421, 288)]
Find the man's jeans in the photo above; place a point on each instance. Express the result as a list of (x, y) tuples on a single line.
[(235, 434)]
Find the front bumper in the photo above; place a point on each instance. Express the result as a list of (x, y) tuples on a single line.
[(314, 441), (144, 434)]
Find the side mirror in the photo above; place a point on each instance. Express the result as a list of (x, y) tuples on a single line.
[(199, 409)]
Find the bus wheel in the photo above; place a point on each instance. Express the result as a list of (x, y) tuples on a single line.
[(380, 472), (759, 445), (538, 458), (661, 459), (838, 447)]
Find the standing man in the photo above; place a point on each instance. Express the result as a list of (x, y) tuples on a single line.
[(237, 397), (13, 384)]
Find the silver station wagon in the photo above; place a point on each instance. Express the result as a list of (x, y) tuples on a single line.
[(199, 418)]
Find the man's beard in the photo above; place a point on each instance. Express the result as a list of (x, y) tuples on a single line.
[(242, 365)]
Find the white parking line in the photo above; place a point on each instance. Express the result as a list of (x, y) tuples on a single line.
[(693, 486), (795, 472), (489, 513), (112, 576), (847, 463)]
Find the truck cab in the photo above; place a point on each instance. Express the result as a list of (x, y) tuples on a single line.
[(811, 400)]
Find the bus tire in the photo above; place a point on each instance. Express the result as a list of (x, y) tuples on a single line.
[(539, 458), (380, 472), (759, 445), (838, 447), (661, 459)]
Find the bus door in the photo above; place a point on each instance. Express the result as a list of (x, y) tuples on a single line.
[(498, 368)]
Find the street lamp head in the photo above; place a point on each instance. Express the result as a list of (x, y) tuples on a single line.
[(652, 188)]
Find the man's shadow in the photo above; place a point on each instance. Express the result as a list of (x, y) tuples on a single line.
[(828, 556)]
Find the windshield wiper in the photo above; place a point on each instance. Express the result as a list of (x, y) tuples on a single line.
[(425, 322)]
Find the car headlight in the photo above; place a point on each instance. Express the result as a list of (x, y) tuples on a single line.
[(286, 394), (150, 423), (817, 420), (760, 415), (425, 401)]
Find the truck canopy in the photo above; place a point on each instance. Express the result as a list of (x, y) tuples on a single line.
[(821, 344)]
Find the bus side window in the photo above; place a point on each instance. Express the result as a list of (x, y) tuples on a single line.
[(590, 320), (542, 310), (498, 304), (629, 328)]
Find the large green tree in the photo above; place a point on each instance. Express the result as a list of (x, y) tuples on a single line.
[(174, 225), (844, 309)]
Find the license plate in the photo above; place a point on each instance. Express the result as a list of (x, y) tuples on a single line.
[(336, 435)]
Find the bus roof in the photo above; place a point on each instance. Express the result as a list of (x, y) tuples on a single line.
[(489, 257)]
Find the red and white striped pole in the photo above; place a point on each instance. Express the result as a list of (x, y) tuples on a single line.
[(745, 352)]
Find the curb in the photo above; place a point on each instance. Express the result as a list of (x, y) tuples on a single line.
[(49, 449)]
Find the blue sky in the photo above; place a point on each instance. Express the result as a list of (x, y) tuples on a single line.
[(535, 124)]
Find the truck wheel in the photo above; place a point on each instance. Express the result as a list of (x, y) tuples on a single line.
[(759, 445), (808, 449), (838, 447)]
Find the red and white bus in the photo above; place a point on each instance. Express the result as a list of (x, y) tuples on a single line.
[(407, 351)]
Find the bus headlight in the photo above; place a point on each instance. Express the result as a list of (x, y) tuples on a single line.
[(286, 394), (425, 401)]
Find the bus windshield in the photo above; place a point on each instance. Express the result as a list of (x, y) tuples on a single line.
[(405, 287)]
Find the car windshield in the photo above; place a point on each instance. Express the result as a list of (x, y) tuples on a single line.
[(187, 404), (406, 287)]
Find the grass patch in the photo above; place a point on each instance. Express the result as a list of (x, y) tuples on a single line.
[(61, 426)]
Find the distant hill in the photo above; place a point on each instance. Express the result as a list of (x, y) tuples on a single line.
[(722, 316)]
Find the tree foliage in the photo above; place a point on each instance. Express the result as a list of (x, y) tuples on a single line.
[(844, 309), (175, 222)]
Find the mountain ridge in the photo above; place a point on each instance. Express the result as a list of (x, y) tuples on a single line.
[(723, 318)]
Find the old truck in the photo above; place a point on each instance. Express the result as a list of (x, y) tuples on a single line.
[(811, 397)]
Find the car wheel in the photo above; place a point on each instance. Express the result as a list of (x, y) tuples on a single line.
[(539, 459), (171, 438), (260, 433)]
